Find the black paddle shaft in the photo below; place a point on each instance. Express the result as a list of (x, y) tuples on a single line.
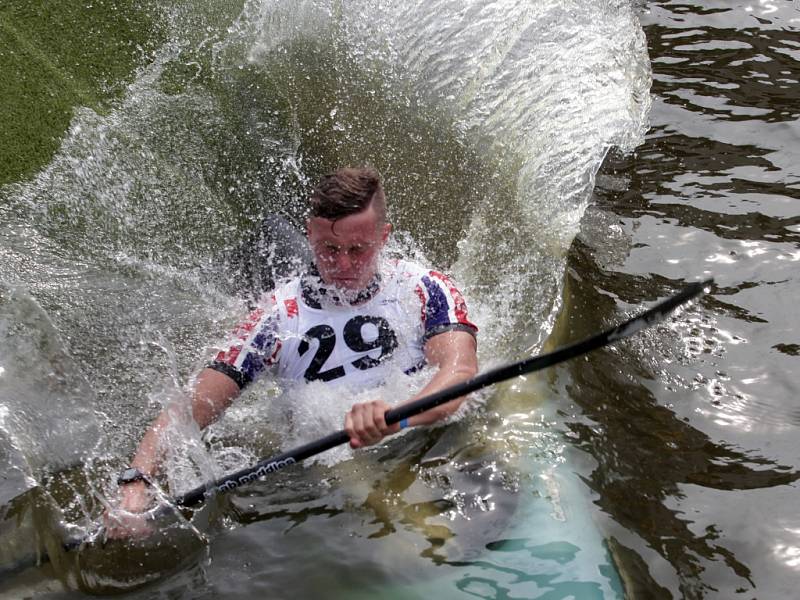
[(536, 363)]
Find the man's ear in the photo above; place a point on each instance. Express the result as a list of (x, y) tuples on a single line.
[(387, 229)]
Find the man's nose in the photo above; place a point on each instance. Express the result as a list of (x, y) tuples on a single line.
[(343, 261)]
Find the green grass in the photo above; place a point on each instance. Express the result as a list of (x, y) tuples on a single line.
[(56, 55)]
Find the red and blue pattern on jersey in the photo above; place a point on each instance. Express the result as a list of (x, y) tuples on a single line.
[(443, 306)]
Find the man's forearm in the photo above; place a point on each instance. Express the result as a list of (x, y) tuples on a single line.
[(213, 393), (441, 380), (455, 355), (150, 453)]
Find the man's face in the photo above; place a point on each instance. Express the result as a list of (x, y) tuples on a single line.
[(347, 250)]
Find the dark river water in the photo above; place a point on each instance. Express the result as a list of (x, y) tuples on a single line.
[(570, 163)]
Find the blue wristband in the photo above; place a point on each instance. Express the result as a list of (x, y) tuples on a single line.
[(403, 423)]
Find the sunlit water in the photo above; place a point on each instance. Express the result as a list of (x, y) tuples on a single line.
[(663, 467)]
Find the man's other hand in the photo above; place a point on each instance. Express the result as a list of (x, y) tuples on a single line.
[(365, 423), (128, 519)]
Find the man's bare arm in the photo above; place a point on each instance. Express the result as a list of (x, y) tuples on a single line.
[(455, 355), (213, 393)]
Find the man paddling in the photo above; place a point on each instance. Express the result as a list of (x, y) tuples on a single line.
[(351, 319)]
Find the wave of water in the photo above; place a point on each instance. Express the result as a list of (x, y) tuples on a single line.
[(488, 121)]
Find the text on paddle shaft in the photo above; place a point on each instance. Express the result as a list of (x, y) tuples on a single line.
[(353, 335), (270, 467)]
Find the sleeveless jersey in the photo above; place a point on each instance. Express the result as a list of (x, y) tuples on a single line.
[(304, 332)]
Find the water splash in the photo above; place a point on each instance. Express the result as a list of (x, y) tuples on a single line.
[(39, 379), (488, 121)]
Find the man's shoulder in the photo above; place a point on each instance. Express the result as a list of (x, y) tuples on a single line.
[(288, 287), (416, 274), (402, 270), (282, 301)]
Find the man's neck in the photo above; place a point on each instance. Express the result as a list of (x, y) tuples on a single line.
[(316, 292)]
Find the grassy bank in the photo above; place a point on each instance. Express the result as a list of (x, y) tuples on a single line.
[(56, 55)]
